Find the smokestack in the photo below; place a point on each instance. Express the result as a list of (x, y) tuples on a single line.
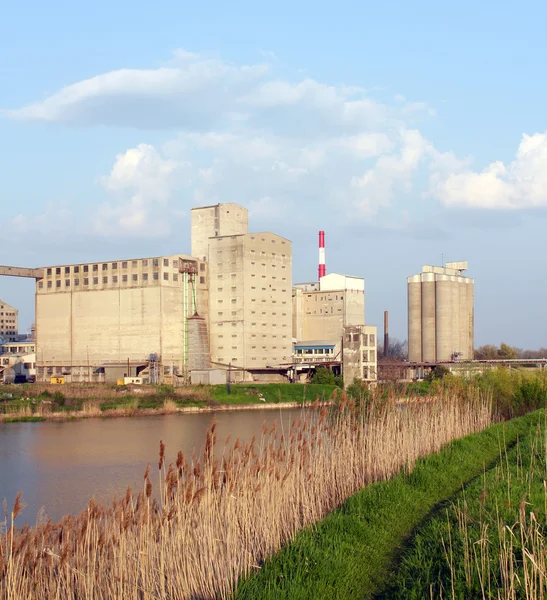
[(386, 334), (322, 267)]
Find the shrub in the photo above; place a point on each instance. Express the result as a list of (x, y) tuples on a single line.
[(323, 376)]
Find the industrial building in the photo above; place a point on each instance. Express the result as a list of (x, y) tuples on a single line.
[(17, 362), (440, 314), (9, 322), (328, 325), (229, 306)]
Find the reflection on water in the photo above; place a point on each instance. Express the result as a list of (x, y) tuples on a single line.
[(60, 466)]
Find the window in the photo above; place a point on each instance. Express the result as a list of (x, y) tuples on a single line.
[(202, 266), (356, 337), (124, 264), (145, 276), (95, 267), (76, 282), (114, 265), (58, 284), (86, 268), (105, 279), (202, 279), (365, 339), (155, 276), (76, 269), (134, 263), (175, 276), (175, 264), (86, 281), (114, 279), (155, 262), (135, 277), (145, 262), (124, 278), (372, 341), (165, 262), (49, 284), (105, 267), (49, 271), (95, 280), (166, 276)]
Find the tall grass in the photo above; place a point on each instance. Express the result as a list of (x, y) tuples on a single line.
[(220, 514)]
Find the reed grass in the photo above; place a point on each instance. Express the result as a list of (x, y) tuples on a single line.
[(222, 513)]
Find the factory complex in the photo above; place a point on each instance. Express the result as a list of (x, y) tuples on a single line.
[(227, 310)]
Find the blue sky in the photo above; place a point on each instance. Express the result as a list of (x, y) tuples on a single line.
[(407, 131)]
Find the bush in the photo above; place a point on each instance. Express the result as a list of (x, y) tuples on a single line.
[(58, 397), (323, 376)]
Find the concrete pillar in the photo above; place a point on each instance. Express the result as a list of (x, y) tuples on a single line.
[(470, 323), (455, 288), (198, 344), (429, 352), (443, 317), (414, 318)]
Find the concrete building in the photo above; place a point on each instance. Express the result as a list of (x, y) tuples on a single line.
[(17, 362), (441, 314), (250, 301), (359, 353), (9, 322), (322, 309), (116, 316), (332, 311)]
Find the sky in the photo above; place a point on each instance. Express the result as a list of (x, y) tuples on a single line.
[(411, 132)]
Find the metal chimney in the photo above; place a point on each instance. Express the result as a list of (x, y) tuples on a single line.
[(386, 334), (322, 267)]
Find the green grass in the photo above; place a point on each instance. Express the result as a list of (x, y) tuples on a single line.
[(351, 553), (245, 393), (489, 500)]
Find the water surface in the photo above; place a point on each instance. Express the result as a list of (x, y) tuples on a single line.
[(59, 466)]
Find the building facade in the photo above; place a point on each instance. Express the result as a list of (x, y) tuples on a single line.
[(17, 362), (359, 353), (9, 322), (250, 301), (441, 314), (94, 316)]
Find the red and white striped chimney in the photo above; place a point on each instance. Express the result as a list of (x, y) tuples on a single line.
[(322, 266)]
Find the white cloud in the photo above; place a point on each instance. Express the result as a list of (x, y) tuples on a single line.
[(521, 184), (142, 182)]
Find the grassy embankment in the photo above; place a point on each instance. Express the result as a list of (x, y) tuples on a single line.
[(37, 402), (489, 540), (224, 512), (352, 552)]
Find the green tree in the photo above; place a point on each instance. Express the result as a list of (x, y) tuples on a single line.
[(323, 375)]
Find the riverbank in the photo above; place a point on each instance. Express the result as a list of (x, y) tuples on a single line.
[(354, 550), (229, 507), (50, 403)]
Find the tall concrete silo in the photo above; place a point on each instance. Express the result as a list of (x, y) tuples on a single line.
[(415, 318), (440, 314), (429, 351), (443, 317)]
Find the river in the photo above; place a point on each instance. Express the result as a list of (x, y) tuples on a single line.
[(59, 466)]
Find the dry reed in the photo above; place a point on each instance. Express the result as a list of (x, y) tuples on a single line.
[(221, 513)]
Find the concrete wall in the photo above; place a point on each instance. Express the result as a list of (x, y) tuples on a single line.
[(214, 221), (415, 318), (92, 314), (250, 300), (324, 314)]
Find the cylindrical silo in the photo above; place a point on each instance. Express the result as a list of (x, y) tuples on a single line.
[(470, 323), (463, 321), (428, 318), (455, 287), (414, 318), (443, 317)]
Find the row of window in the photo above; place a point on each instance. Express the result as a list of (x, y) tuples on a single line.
[(274, 336), (7, 314), (368, 339), (115, 279), (155, 262), (314, 351)]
